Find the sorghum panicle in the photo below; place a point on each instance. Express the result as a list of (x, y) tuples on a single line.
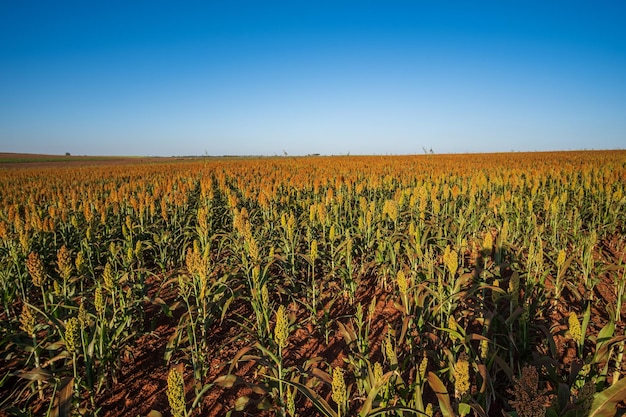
[(281, 331), (72, 335), (27, 320), (176, 392), (35, 268), (461, 375)]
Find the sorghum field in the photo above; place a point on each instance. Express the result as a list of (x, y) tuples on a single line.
[(315, 286)]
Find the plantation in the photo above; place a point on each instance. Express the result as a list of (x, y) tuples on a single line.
[(333, 286)]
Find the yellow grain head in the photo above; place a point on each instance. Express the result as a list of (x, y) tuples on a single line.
[(451, 260), (27, 320), (80, 263), (483, 349), (339, 391), (378, 372), (98, 300), (574, 327), (560, 259), (108, 277), (83, 319), (423, 367), (313, 250), (72, 335), (281, 330), (488, 243), (403, 282), (176, 391), (461, 375), (265, 297), (291, 402), (35, 268)]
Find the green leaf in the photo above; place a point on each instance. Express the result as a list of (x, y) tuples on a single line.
[(442, 394), (605, 402), (464, 409), (199, 396), (585, 324), (606, 332), (317, 401), (386, 411), (225, 308), (367, 405), (164, 307)]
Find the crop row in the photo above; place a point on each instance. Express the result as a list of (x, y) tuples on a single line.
[(505, 273)]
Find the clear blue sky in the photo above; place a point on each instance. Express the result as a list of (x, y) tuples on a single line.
[(386, 77)]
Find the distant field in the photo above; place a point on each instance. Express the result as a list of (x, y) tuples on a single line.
[(18, 160)]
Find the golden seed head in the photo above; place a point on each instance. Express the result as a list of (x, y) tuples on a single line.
[(98, 300), (423, 367), (390, 208), (291, 402), (108, 277), (483, 349), (461, 375), (574, 327), (452, 323), (451, 260), (378, 372), (313, 250), (138, 249), (403, 282), (253, 249), (72, 334), (24, 242), (514, 288), (389, 348), (281, 331), (176, 392), (488, 243), (27, 320), (560, 260), (82, 315), (130, 254), (64, 262), (339, 392), (429, 410), (80, 262), (265, 297), (35, 268), (56, 288)]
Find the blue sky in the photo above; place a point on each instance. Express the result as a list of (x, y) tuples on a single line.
[(233, 77)]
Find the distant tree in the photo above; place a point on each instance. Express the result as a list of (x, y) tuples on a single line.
[(68, 154)]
